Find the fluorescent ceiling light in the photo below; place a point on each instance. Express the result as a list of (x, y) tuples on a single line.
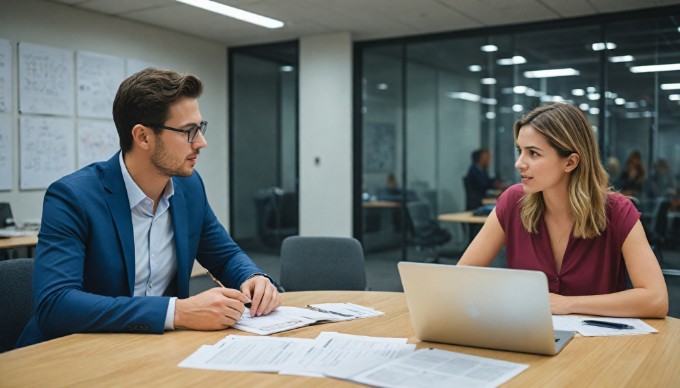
[(489, 101), (584, 106), (610, 95), (599, 46), (475, 68), (670, 86), (594, 111), (517, 108), (490, 115), (578, 92), (519, 89), (464, 96), (622, 58), (549, 98), (286, 69), (488, 81), (655, 68), (620, 101), (551, 73), (593, 96), (235, 13), (382, 86), (674, 97), (516, 60), (631, 105), (489, 48)]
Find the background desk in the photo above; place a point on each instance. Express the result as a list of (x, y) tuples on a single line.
[(151, 360), (381, 204), (30, 240), (462, 217), (11, 243)]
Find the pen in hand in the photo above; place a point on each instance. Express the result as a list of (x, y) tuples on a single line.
[(219, 283), (609, 325)]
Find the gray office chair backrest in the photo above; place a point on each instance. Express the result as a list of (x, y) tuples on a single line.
[(420, 215), (322, 263), (16, 302)]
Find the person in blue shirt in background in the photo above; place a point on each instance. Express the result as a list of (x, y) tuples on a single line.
[(478, 182), (118, 238), (478, 179)]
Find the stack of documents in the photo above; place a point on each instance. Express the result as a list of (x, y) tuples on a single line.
[(383, 362), (288, 318)]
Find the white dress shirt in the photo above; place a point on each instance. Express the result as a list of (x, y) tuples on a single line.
[(155, 256)]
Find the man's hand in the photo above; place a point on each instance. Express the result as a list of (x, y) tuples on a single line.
[(215, 309), (264, 296)]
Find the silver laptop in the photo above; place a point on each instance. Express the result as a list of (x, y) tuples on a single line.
[(492, 308)]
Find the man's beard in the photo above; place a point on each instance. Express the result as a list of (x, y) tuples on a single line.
[(163, 161)]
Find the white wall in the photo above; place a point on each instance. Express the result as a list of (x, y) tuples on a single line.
[(326, 135), (60, 26)]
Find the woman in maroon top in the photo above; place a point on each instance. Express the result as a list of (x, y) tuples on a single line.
[(564, 221)]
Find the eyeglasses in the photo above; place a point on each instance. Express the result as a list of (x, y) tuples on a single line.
[(191, 133)]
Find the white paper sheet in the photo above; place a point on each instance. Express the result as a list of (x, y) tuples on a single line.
[(432, 368), (288, 318), (344, 355), (346, 309), (575, 323), (247, 353)]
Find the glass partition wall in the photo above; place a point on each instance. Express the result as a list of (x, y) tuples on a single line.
[(263, 145), (427, 103)]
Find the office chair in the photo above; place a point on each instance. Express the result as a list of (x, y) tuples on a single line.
[(654, 225), (16, 302), (658, 226), (322, 263), (277, 215), (426, 234)]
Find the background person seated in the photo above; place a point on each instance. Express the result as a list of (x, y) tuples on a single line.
[(633, 176), (478, 181)]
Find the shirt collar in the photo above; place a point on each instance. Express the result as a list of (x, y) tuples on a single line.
[(134, 193)]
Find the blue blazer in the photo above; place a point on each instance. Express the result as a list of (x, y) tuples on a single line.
[(85, 259)]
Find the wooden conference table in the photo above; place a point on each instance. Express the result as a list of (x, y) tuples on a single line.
[(151, 360)]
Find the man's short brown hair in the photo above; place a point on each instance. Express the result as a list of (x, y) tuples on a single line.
[(145, 98)]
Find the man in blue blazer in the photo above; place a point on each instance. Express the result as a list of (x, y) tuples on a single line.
[(118, 238)]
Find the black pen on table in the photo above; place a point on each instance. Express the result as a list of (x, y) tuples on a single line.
[(609, 325), (219, 283)]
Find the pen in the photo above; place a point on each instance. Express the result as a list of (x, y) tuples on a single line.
[(219, 283), (610, 325), (309, 306)]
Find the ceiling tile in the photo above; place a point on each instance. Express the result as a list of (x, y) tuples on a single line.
[(495, 12), (117, 7), (363, 19), (571, 8)]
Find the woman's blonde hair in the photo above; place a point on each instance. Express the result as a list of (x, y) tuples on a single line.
[(568, 131)]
